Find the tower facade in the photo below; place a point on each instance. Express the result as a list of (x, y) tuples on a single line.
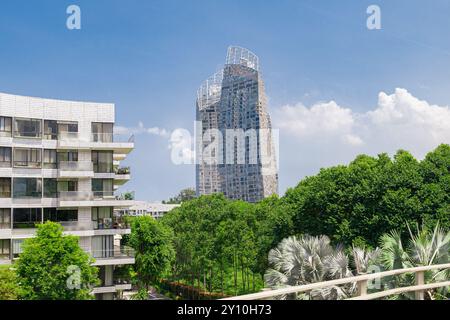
[(235, 149), (60, 162)]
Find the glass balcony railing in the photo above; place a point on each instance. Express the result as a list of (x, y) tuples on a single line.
[(75, 165), (27, 164), (27, 194), (123, 170), (27, 134), (75, 195), (26, 224), (110, 137), (5, 194), (104, 194), (102, 137), (5, 225), (110, 223), (68, 136), (118, 252)]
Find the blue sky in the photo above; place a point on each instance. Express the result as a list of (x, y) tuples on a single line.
[(149, 57)]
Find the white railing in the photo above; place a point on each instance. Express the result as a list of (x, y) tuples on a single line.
[(361, 281), (76, 166), (65, 135), (75, 195)]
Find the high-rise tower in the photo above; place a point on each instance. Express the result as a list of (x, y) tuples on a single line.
[(235, 152)]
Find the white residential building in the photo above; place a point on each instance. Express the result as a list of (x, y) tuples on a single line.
[(59, 161), (143, 208)]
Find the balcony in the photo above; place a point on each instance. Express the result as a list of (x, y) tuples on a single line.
[(120, 255), (102, 137), (75, 196), (68, 136), (75, 166), (108, 195), (27, 164), (111, 223), (28, 134)]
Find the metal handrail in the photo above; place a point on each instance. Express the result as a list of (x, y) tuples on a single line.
[(361, 280)]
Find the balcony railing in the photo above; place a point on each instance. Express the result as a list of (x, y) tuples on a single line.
[(68, 135), (5, 225), (26, 224), (75, 195), (75, 165), (104, 194), (5, 164), (27, 134), (27, 164), (118, 252), (102, 137), (27, 194), (110, 223), (123, 170), (110, 137), (5, 194)]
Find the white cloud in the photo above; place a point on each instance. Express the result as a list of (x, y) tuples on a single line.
[(327, 134), (141, 129)]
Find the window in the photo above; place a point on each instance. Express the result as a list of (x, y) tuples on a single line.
[(27, 158), (68, 156), (27, 188), (5, 187), (50, 159), (102, 132), (25, 218), (50, 129), (68, 130), (103, 246), (5, 218), (17, 247), (27, 128), (57, 215), (5, 157), (5, 126), (5, 247), (102, 187), (103, 161), (68, 186), (50, 188), (102, 218)]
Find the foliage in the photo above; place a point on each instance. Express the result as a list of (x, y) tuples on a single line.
[(358, 203), (183, 196), (52, 266), (152, 242), (424, 247), (9, 284), (306, 259)]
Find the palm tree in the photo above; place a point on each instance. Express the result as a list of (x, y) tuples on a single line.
[(306, 259), (423, 248)]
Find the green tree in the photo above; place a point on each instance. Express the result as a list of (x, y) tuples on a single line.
[(183, 196), (9, 284), (152, 242), (52, 266)]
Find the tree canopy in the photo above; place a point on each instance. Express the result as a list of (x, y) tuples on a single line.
[(52, 266)]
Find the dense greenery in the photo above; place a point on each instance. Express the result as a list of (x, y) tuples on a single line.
[(154, 250), (52, 266), (356, 204), (9, 284), (223, 245), (306, 259)]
